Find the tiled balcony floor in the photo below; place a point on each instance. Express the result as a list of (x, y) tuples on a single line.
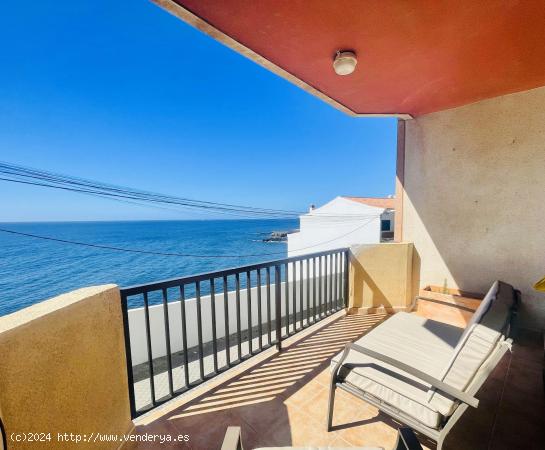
[(280, 399)]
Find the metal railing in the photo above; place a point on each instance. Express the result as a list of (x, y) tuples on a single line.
[(174, 342)]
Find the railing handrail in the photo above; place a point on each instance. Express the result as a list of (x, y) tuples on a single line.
[(175, 282), (328, 284)]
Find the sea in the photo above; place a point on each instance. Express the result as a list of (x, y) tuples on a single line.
[(32, 270)]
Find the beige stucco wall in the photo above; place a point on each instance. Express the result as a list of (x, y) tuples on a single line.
[(382, 276), (63, 369), (474, 193)]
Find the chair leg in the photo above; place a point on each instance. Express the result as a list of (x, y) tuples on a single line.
[(406, 440), (330, 405), (232, 439)]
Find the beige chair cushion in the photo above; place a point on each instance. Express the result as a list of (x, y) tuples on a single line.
[(438, 349), (480, 338), (419, 342)]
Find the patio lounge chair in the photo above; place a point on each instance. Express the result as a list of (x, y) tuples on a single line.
[(425, 373), (406, 440)]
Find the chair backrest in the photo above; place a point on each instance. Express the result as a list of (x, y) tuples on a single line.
[(482, 338)]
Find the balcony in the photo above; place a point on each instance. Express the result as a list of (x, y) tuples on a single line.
[(271, 377), (280, 399), (252, 346)]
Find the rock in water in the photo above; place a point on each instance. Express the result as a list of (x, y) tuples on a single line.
[(278, 236)]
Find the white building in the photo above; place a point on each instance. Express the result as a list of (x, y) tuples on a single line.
[(343, 222)]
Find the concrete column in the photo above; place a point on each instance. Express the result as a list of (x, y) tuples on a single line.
[(383, 277)]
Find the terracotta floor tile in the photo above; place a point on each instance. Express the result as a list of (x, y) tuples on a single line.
[(372, 432), (339, 442), (281, 400), (324, 377), (308, 432), (301, 394), (277, 433)]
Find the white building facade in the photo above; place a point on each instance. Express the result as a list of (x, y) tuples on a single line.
[(343, 222)]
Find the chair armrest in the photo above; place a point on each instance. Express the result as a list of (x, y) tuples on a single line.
[(232, 440), (434, 382), (406, 440)]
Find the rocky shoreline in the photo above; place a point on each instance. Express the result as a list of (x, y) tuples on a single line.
[(278, 236)]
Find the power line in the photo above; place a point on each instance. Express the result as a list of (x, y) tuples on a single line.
[(24, 175), (186, 255), (118, 198), (109, 247), (20, 174), (20, 171)]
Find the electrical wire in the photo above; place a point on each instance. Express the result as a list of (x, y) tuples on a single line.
[(185, 255), (28, 176), (124, 199), (24, 175), (19, 174)]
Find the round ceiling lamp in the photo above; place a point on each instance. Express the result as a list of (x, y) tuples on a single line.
[(344, 62)]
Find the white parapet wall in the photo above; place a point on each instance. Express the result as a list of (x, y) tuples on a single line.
[(137, 324)]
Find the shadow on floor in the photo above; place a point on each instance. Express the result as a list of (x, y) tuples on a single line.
[(269, 399), (282, 401)]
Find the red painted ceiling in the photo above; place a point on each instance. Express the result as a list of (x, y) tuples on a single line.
[(414, 56)]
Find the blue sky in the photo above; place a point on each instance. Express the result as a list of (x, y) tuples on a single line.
[(122, 92)]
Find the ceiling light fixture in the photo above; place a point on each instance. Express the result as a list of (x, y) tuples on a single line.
[(344, 62)]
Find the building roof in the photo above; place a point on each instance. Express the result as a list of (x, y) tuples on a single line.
[(388, 203), (414, 57)]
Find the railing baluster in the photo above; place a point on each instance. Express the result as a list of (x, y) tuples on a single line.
[(327, 284), (167, 342), (199, 328), (345, 278), (239, 334), (326, 276), (331, 284), (294, 294), (314, 290), (335, 283), (326, 287), (326, 296), (329, 277), (151, 369), (226, 319), (278, 307), (249, 310), (308, 295), (330, 292), (339, 280), (287, 298), (184, 335), (269, 323), (321, 284), (128, 355), (259, 318), (300, 293), (213, 310)]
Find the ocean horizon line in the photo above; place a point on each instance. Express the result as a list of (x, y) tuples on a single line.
[(140, 220)]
